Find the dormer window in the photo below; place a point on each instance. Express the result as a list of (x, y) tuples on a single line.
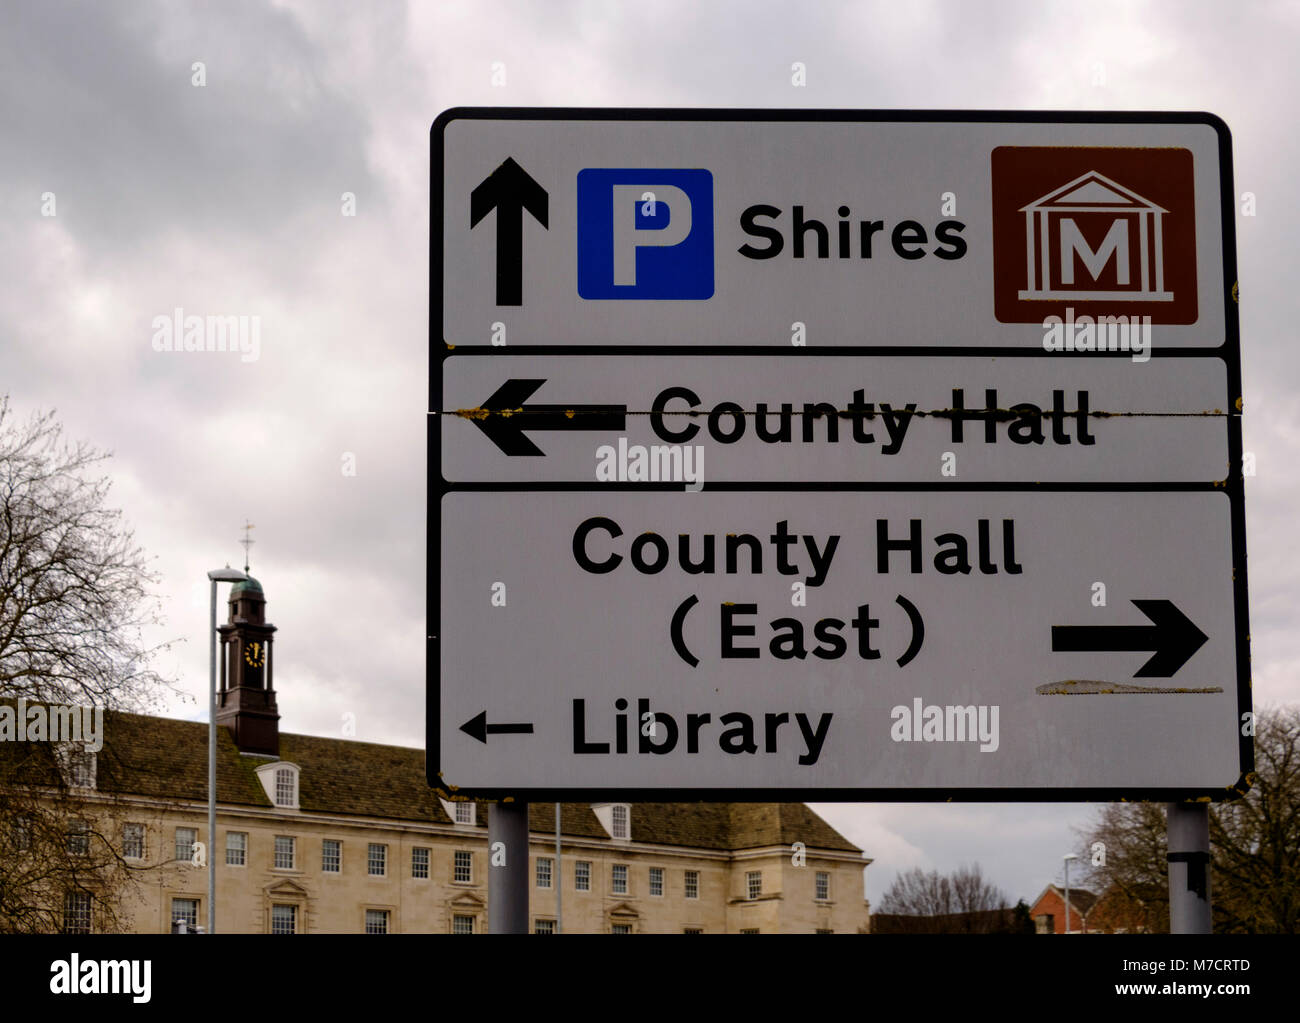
[(463, 811), (280, 780), (286, 787), (616, 818), (78, 766), (82, 769)]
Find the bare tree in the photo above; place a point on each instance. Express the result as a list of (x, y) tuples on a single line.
[(1256, 840), (971, 893), (62, 861), (75, 595), (929, 902), (917, 892), (75, 591), (1254, 845), (1132, 880)]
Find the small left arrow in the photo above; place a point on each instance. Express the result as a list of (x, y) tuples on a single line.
[(478, 727)]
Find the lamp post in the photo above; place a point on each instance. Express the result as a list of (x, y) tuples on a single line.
[(219, 575), (1068, 857)]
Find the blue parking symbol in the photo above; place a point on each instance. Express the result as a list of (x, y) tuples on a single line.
[(645, 234)]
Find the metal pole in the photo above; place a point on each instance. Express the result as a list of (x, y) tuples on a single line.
[(559, 877), (1189, 868), (508, 868), (1067, 895), (212, 762)]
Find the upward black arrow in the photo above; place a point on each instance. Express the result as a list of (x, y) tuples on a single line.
[(1171, 635), (509, 190), (504, 417)]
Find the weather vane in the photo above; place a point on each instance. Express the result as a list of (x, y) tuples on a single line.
[(248, 542)]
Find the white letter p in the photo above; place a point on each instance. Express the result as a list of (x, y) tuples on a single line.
[(670, 203)]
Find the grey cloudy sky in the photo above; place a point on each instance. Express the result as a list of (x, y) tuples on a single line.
[(226, 199)]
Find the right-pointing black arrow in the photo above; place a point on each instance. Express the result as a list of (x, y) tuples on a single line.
[(504, 417), (1171, 635), (478, 727)]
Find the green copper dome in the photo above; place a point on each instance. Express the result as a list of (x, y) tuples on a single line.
[(249, 585)]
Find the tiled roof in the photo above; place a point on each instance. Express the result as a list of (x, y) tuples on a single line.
[(1081, 899), (168, 759), (734, 826)]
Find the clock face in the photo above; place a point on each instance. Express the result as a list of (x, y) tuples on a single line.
[(255, 655)]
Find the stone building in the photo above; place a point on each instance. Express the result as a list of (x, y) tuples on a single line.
[(324, 835)]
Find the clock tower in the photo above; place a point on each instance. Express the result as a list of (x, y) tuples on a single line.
[(245, 695)]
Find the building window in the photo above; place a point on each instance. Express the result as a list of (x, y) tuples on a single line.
[(185, 839), (1045, 923), (823, 884), (331, 856), (284, 850), (78, 838), (419, 862), (465, 813), (462, 865), (81, 769), (543, 872), (377, 860), (76, 913), (618, 879), (462, 925), (22, 834), (286, 787), (753, 883), (692, 884), (543, 926), (284, 919), (236, 848), (376, 921), (656, 880), (582, 876), (133, 841), (749, 930), (693, 930), (619, 821), (186, 910), (621, 929)]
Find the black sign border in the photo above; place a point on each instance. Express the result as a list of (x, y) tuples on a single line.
[(1233, 486)]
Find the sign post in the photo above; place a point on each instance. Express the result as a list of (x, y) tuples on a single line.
[(835, 455)]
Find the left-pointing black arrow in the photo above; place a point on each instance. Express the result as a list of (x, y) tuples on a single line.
[(509, 190), (478, 727), (504, 417), (1171, 635)]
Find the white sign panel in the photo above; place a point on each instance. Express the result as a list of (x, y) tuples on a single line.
[(835, 455), (889, 419), (831, 233), (839, 641)]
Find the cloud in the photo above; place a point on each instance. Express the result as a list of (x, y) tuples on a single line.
[(225, 200)]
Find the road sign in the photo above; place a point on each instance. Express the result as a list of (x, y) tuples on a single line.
[(890, 419), (835, 455), (783, 641), (691, 228)]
